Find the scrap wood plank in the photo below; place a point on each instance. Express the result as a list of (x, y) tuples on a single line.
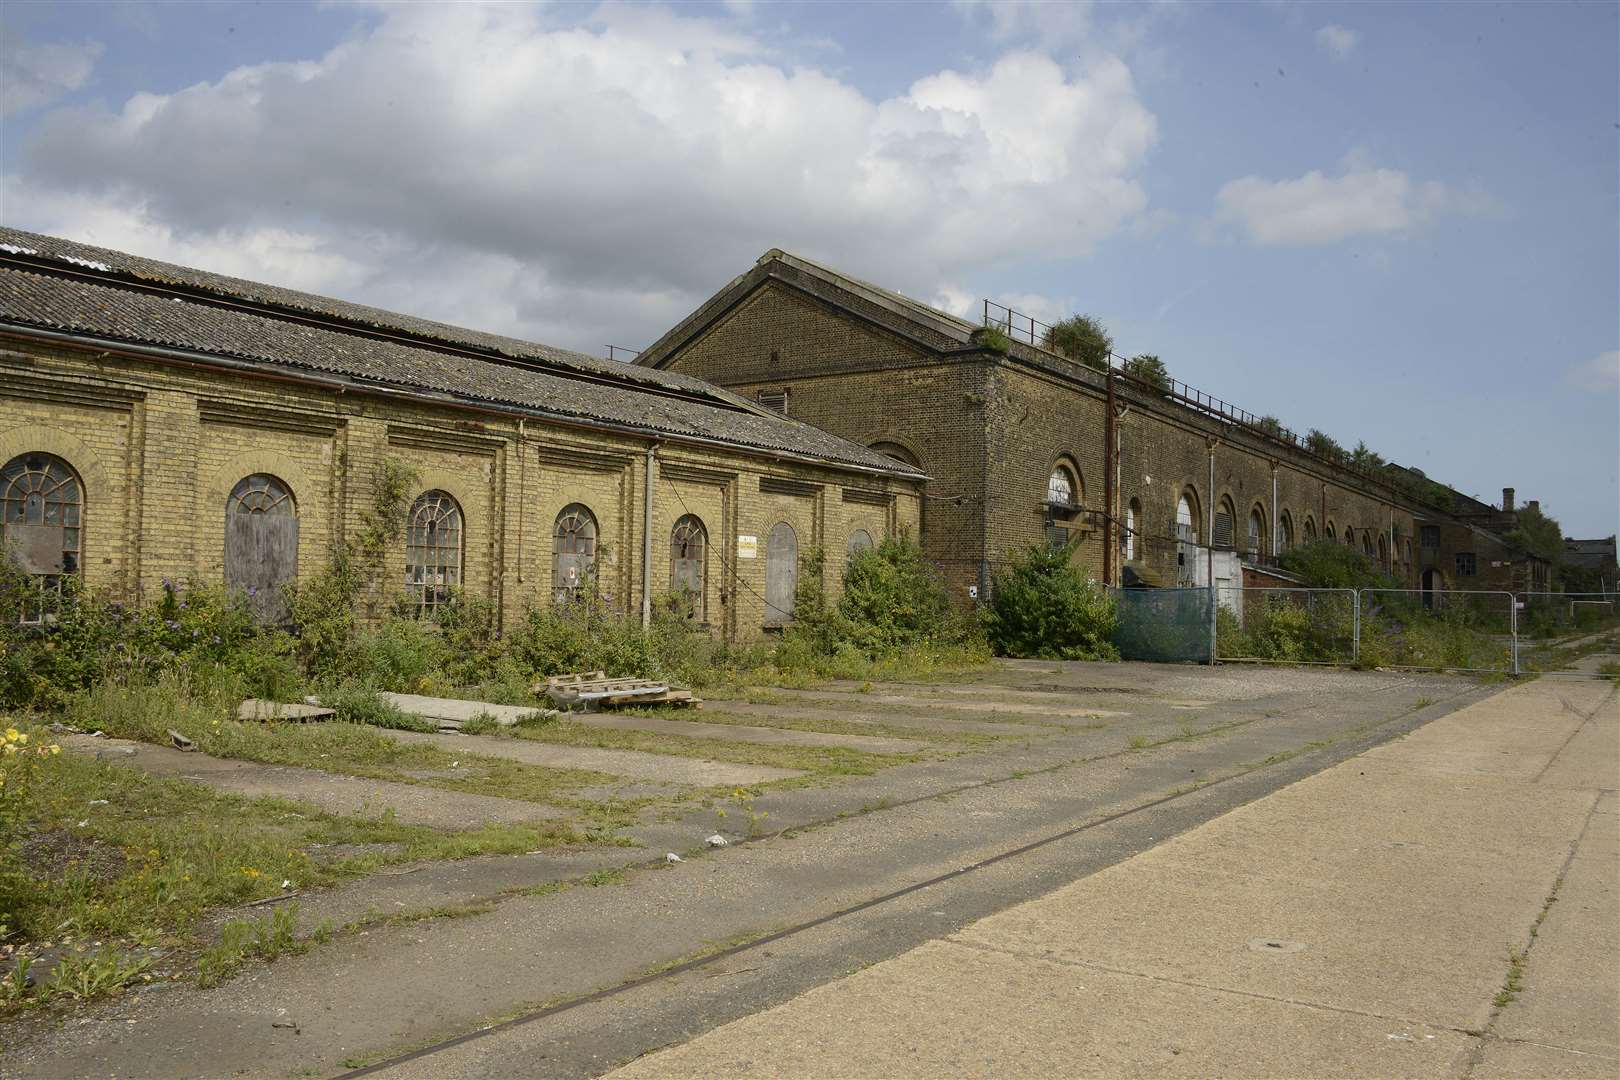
[(593, 688)]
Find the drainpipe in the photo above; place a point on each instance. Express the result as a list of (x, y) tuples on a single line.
[(1109, 458), (1209, 539), (646, 537), (1276, 522)]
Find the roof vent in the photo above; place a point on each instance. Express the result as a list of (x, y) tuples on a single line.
[(774, 400)]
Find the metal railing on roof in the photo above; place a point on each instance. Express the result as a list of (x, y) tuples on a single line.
[(1021, 327), (616, 352)]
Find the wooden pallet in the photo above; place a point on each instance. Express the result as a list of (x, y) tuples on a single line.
[(592, 689)]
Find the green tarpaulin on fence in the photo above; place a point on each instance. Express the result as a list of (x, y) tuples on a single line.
[(1165, 624)]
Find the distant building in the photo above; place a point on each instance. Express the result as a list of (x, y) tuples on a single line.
[(1160, 485)]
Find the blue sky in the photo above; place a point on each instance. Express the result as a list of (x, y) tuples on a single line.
[(1397, 223)]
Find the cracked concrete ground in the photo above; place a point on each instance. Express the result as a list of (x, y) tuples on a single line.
[(841, 875), (1359, 922)]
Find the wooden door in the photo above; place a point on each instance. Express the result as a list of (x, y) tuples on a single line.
[(781, 574)]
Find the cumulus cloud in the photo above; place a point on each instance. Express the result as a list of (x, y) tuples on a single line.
[(1319, 209), (591, 182), (1599, 374), (1337, 41), (33, 74)]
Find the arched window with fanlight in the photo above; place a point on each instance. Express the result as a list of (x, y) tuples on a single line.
[(1285, 532), (1062, 492), (573, 554), (261, 543), (688, 564), (42, 522), (1256, 541), (433, 550), (1127, 534)]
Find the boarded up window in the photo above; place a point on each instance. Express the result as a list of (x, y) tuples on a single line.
[(41, 508), (688, 555), (781, 574), (1223, 528), (860, 540), (433, 545), (1256, 529), (261, 543), (573, 554)]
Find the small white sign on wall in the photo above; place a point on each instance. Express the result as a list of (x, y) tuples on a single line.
[(747, 547)]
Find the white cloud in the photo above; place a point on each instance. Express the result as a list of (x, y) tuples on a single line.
[(1320, 209), (1054, 24), (1600, 374), (588, 183), (1337, 41), (36, 74)]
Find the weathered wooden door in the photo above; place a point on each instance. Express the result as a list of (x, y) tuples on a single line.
[(261, 544), (781, 574)]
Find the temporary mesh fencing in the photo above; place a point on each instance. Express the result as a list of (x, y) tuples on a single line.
[(1164, 624), (1298, 625)]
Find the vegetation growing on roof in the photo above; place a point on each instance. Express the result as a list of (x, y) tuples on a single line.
[(1082, 338), (1149, 369), (994, 338)]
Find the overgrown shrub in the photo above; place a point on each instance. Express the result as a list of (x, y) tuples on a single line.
[(1082, 338), (1151, 370), (1043, 606)]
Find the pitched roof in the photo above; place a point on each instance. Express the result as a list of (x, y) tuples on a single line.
[(926, 326), (57, 285)]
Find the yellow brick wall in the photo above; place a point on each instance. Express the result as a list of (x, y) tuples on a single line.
[(159, 448)]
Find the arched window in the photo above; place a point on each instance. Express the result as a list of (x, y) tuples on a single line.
[(1257, 531), (1187, 518), (860, 540), (781, 573), (1310, 529), (688, 564), (1223, 525), (898, 452), (1349, 537), (1127, 535), (1383, 550), (1367, 542), (573, 554), (433, 545), (261, 543), (1408, 559), (1062, 490), (1328, 532), (41, 518), (1285, 532)]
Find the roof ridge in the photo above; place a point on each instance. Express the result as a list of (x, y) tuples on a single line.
[(90, 260)]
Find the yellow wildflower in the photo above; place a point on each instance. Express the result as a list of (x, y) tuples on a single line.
[(11, 734)]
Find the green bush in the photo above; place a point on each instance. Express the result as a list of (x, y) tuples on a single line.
[(1043, 606), (1082, 338), (894, 598), (1151, 370)]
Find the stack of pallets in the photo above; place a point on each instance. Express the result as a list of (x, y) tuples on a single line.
[(593, 689)]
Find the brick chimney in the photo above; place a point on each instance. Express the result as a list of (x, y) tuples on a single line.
[(1535, 506), (1507, 498)]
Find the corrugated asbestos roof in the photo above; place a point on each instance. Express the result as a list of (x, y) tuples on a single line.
[(123, 298)]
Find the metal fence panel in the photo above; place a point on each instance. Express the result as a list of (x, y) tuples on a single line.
[(1455, 630), (1164, 624), (1283, 625), (1569, 633)]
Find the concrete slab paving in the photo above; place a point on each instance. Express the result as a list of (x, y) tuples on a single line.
[(853, 714), (1355, 923), (967, 701), (637, 764), (960, 1011), (458, 711), (1504, 1060), (697, 729), (411, 804)]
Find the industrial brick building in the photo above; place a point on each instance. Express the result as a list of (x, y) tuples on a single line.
[(158, 422), (1160, 485)]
